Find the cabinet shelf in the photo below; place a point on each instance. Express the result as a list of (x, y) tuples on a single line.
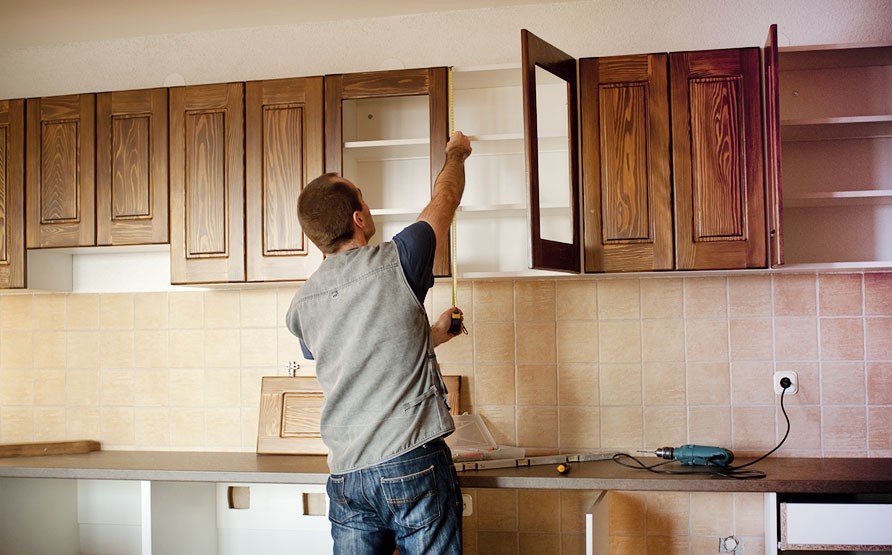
[(833, 128), (839, 198), (388, 149), (483, 210)]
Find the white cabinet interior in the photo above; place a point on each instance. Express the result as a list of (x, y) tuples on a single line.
[(492, 221), (139, 517), (386, 152), (836, 130)]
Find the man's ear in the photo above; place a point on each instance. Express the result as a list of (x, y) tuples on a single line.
[(359, 219)]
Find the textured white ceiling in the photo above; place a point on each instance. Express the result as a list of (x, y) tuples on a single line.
[(29, 23)]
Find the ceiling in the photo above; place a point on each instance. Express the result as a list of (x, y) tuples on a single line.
[(30, 23)]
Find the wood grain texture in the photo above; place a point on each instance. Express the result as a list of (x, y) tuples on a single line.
[(547, 254), (432, 82), (49, 448), (60, 163), (627, 187), (717, 160), (12, 194), (283, 152), (771, 100), (207, 183), (291, 408), (131, 167)]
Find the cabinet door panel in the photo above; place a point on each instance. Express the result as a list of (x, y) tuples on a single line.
[(626, 178), (432, 82), (549, 254), (771, 94), (284, 139), (12, 194), (60, 176), (717, 156), (131, 167), (207, 183)]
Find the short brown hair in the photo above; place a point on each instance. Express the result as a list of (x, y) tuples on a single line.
[(325, 209)]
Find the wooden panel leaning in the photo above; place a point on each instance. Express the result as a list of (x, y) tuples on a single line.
[(290, 410)]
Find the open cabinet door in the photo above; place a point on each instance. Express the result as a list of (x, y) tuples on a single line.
[(551, 144), (771, 95)]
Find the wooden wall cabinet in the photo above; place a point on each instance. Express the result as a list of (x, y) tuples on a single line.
[(717, 155), (283, 152), (97, 169), (131, 167), (12, 194), (627, 185), (207, 183), (59, 173), (240, 155), (386, 132), (672, 161)]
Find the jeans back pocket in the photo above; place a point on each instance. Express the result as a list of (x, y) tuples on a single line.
[(413, 499)]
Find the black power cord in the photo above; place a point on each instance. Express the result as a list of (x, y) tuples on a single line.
[(713, 468)]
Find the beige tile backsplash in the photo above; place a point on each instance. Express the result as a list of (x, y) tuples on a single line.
[(554, 365)]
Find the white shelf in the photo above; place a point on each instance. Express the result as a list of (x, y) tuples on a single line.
[(388, 149), (834, 128), (839, 198)]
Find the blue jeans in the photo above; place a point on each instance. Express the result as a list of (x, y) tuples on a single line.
[(412, 502)]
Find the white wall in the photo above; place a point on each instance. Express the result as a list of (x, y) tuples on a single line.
[(461, 38)]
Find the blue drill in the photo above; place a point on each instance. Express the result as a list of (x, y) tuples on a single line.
[(697, 455)]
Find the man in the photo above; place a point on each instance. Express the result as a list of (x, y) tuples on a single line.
[(361, 317)]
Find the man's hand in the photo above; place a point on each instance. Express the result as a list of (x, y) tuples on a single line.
[(440, 329), (459, 146)]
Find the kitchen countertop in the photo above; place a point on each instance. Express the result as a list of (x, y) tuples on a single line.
[(787, 475)]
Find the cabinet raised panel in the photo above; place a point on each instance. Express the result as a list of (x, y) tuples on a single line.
[(60, 180), (131, 167), (12, 192), (628, 190), (207, 183), (284, 140), (717, 159)]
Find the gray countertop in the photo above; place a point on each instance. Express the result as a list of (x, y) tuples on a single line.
[(789, 475)]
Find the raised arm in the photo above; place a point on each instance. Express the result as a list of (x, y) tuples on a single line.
[(448, 188)]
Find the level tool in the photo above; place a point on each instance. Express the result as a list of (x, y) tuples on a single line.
[(533, 461)]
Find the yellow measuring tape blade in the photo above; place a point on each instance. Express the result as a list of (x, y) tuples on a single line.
[(454, 238)]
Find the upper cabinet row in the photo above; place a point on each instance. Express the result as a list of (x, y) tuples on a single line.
[(664, 161), (672, 159)]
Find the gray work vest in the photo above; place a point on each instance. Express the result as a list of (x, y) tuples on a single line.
[(375, 361)]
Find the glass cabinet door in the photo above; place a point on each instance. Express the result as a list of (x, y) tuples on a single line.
[(550, 121)]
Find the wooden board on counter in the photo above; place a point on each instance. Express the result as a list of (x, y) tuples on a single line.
[(290, 409), (50, 448)]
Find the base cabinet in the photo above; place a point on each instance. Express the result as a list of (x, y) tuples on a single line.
[(811, 523), (139, 517)]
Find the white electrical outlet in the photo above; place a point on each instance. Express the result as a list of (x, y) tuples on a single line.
[(778, 389), (467, 505)]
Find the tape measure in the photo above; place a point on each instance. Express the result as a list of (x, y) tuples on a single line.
[(455, 325)]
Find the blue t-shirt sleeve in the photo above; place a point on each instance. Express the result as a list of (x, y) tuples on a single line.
[(303, 349), (417, 246)]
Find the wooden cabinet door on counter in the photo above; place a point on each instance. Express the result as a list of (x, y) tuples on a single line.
[(207, 183), (59, 172), (718, 159), (12, 194), (624, 106), (131, 167), (283, 146)]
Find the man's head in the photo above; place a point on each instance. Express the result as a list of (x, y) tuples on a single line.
[(330, 210)]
